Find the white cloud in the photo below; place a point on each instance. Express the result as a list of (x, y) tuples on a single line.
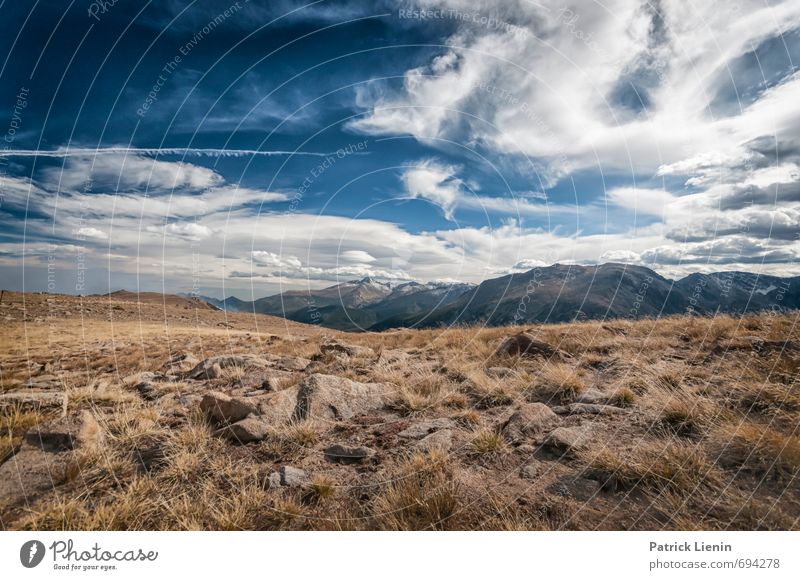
[(357, 256), (436, 183), (92, 233), (551, 94), (641, 200), (121, 172), (439, 184), (190, 231), (264, 258)]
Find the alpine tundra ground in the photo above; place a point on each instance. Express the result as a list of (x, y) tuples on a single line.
[(160, 413)]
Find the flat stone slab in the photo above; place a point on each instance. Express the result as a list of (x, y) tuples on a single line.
[(529, 419), (593, 409), (38, 401), (570, 439), (346, 454), (441, 440), (422, 428), (248, 430)]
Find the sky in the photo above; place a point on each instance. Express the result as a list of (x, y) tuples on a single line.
[(248, 148)]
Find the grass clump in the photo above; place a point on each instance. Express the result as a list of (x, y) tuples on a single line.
[(559, 383), (758, 449), (673, 467), (488, 442), (424, 495)]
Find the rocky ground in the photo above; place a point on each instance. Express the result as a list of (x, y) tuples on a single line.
[(120, 412)]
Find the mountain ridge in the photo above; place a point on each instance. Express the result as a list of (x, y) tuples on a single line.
[(556, 293)]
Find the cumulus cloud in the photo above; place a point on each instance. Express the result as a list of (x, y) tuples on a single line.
[(271, 259), (93, 233), (439, 184), (436, 183), (590, 84), (192, 232)]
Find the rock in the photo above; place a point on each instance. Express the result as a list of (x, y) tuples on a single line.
[(292, 363), (393, 356), (332, 397), (188, 400), (293, 477), (592, 397), (337, 348), (525, 449), (587, 409), (206, 370), (344, 454), (531, 470), (147, 390), (267, 380), (438, 440), (28, 401), (248, 430), (30, 473), (575, 487), (524, 344), (570, 439), (529, 419), (66, 433), (43, 380), (273, 480), (183, 362), (422, 428), (499, 372), (226, 409), (277, 408), (149, 453)]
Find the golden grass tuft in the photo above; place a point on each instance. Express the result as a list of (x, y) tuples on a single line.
[(488, 442), (661, 466), (558, 383), (422, 495), (758, 449)]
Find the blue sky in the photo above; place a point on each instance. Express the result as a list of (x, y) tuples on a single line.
[(253, 147)]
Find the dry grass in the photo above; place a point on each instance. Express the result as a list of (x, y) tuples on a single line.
[(759, 450), (320, 488), (708, 440), (424, 390), (558, 383), (679, 468), (623, 397), (424, 495), (487, 442), (686, 417)]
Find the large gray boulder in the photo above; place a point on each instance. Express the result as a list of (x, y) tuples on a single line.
[(592, 409), (530, 419), (249, 429), (331, 397), (524, 344), (226, 409)]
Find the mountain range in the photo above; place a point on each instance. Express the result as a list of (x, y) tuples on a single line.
[(557, 293)]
